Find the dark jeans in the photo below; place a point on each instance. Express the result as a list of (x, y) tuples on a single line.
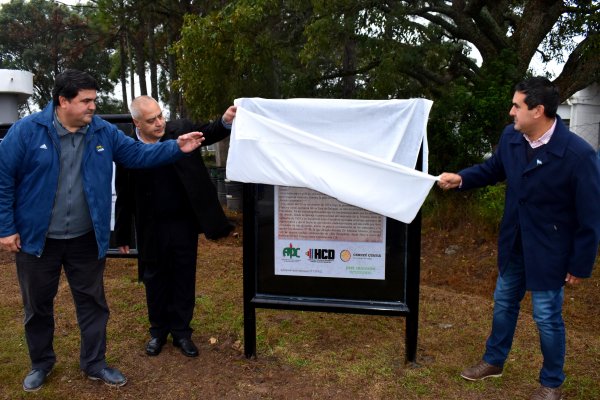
[(170, 280), (39, 278)]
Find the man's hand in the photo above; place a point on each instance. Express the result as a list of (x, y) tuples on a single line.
[(11, 243), (572, 280), (190, 141), (229, 115), (449, 180)]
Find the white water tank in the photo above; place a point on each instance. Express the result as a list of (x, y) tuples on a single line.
[(15, 87)]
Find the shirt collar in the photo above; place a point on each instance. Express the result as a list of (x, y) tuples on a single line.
[(62, 131), (544, 139), (137, 133)]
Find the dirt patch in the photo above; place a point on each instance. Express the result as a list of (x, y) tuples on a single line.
[(458, 268)]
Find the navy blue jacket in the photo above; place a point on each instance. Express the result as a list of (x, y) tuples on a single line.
[(29, 169), (554, 199)]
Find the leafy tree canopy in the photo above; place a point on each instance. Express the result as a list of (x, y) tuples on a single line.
[(375, 49), (46, 38)]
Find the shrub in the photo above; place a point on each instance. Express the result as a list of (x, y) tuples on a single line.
[(490, 205), (480, 207)]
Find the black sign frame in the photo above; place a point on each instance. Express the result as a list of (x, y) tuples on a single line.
[(403, 243)]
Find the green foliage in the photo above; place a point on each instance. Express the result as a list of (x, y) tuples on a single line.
[(209, 159), (481, 207), (360, 49), (245, 49), (447, 210), (466, 119), (374, 50), (489, 205), (46, 38), (108, 105)]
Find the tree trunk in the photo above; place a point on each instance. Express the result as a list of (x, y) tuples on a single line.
[(349, 64), (123, 73), (152, 62), (140, 66), (131, 71), (174, 97)]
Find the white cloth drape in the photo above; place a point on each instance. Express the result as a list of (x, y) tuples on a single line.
[(362, 152)]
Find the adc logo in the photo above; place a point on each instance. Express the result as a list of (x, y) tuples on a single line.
[(291, 251), (320, 254)]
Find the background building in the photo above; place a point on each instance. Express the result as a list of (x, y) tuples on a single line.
[(581, 112)]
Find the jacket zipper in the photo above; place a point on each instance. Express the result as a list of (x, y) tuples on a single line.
[(57, 148)]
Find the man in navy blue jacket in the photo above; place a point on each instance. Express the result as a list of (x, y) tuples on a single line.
[(550, 228), (55, 203)]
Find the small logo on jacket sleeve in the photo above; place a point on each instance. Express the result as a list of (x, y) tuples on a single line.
[(44, 147), (99, 148)]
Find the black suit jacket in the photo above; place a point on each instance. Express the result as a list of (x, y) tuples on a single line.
[(134, 188)]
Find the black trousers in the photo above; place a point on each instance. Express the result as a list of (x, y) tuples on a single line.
[(170, 279), (39, 278)]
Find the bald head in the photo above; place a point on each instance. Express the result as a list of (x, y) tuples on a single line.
[(139, 104), (148, 118)]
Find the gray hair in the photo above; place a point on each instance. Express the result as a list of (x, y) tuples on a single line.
[(134, 107)]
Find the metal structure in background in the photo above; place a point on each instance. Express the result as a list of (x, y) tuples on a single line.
[(123, 121), (590, 131), (15, 88), (4, 127), (581, 113), (397, 295)]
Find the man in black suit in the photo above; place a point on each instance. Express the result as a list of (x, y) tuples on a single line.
[(170, 205)]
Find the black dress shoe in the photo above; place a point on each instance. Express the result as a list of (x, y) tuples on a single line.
[(188, 348), (110, 376), (35, 379), (154, 346)]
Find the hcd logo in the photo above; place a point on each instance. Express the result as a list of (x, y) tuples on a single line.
[(320, 254)]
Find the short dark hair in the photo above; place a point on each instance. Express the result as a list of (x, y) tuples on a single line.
[(540, 91), (70, 82)]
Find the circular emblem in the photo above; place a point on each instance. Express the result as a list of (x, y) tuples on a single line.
[(345, 255)]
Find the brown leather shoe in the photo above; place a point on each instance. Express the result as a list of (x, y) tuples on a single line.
[(546, 393), (481, 371)]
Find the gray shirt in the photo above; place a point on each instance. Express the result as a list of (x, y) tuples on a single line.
[(70, 213)]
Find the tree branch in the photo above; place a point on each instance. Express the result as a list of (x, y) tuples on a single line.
[(582, 68)]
